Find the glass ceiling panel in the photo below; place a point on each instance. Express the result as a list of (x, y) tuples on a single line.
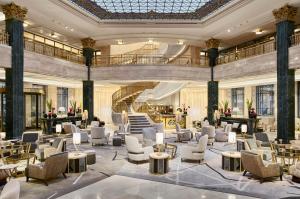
[(150, 9), (144, 6)]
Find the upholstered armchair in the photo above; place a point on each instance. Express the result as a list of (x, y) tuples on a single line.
[(11, 190), (254, 146), (263, 137), (51, 168), (67, 127), (222, 134), (32, 138), (44, 151), (204, 123), (183, 134), (99, 136), (253, 163), (210, 131), (136, 152), (195, 152), (149, 136), (83, 135)]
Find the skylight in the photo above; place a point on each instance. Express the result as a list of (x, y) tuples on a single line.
[(144, 6)]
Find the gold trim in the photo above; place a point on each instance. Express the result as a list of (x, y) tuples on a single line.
[(88, 42), (285, 13), (212, 43), (13, 11)]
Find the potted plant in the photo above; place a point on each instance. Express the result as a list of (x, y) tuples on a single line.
[(49, 106), (73, 107), (249, 104)]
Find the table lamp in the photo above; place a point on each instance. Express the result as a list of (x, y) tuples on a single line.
[(232, 137), (159, 141), (61, 110), (58, 128), (244, 129), (76, 140)]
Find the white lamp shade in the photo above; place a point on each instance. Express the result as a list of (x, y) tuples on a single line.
[(61, 109), (76, 138), (232, 137), (2, 135), (58, 128), (159, 138), (244, 128), (236, 109)]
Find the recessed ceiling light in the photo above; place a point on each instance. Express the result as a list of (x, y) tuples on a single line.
[(120, 42), (66, 27), (228, 30), (180, 42), (53, 35), (297, 30), (259, 31), (72, 29), (150, 41)]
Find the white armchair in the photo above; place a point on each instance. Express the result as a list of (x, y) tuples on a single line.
[(99, 136), (183, 134), (45, 150), (11, 190), (136, 152), (222, 134), (149, 136), (84, 135), (195, 152), (95, 123)]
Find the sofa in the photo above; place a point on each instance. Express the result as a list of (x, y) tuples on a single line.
[(222, 133), (51, 168), (207, 130), (253, 164), (136, 152), (98, 136), (195, 152)]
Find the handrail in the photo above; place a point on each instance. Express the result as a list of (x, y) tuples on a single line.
[(44, 49), (3, 38), (136, 59), (295, 39), (144, 107), (129, 91)]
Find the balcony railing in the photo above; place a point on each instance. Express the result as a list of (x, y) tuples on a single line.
[(52, 51), (3, 38), (257, 49), (295, 39), (135, 59)]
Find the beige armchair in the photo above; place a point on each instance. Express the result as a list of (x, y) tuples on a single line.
[(99, 136), (195, 152), (183, 134), (222, 133), (136, 152), (253, 163), (295, 172), (51, 168), (44, 151), (11, 190), (210, 131), (254, 146)]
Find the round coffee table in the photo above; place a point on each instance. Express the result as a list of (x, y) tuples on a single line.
[(9, 169), (231, 161), (77, 162), (159, 163)]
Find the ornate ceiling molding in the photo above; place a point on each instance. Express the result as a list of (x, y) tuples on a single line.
[(212, 43), (285, 13), (88, 42), (13, 11)]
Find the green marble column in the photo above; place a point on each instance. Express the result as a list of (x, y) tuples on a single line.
[(14, 76), (285, 76), (212, 86), (88, 85)]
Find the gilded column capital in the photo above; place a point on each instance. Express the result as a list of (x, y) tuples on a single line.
[(13, 11), (285, 13), (212, 43), (88, 42)]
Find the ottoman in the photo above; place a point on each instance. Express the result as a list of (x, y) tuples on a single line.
[(117, 141), (91, 157)]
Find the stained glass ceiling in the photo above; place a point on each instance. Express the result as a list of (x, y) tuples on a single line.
[(150, 9), (144, 6)]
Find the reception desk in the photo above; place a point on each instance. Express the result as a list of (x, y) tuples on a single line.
[(169, 121)]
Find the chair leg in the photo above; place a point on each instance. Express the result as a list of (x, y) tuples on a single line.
[(27, 179), (261, 180), (64, 175), (244, 173), (280, 177)]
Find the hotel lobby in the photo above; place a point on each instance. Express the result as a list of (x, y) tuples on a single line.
[(152, 99)]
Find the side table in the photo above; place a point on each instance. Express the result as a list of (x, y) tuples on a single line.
[(231, 161), (77, 162), (159, 163)]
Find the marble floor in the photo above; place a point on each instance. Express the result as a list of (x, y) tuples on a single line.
[(121, 187)]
